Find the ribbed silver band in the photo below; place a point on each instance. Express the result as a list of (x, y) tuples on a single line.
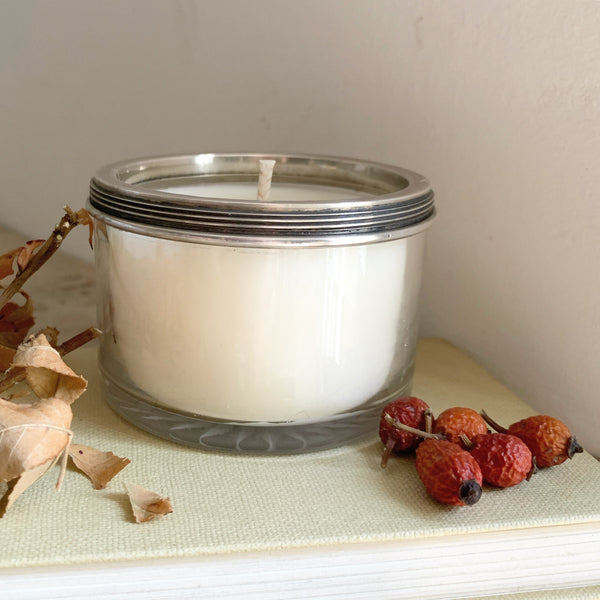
[(125, 195)]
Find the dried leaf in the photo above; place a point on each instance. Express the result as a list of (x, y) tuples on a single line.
[(17, 395), (99, 466), (18, 485), (6, 357), (32, 434), (6, 262), (51, 334), (87, 220), (46, 373), (22, 254), (7, 349), (37, 434), (17, 374), (26, 252), (34, 260), (15, 322), (83, 217), (147, 505)]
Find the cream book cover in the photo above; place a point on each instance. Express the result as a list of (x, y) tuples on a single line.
[(327, 524)]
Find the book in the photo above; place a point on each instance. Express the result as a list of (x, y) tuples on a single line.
[(328, 524)]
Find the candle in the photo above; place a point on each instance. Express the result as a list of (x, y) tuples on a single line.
[(305, 333), (263, 330)]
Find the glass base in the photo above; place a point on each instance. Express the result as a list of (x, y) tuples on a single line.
[(245, 438)]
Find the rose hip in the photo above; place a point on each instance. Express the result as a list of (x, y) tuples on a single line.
[(457, 421), (408, 411), (549, 439), (504, 459), (450, 474)]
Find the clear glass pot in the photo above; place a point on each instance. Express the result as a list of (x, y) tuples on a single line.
[(257, 327)]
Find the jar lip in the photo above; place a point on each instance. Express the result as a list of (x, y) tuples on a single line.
[(395, 198)]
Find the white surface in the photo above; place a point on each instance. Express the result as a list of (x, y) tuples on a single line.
[(498, 102), (431, 569)]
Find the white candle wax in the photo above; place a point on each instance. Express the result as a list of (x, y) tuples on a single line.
[(236, 190), (256, 334)]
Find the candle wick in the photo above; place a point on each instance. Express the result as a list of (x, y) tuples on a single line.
[(265, 173)]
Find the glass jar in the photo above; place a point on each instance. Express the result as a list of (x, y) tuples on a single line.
[(260, 327)]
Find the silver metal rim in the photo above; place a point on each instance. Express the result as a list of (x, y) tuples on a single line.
[(400, 202)]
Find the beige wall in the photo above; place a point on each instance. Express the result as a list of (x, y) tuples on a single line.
[(498, 102)]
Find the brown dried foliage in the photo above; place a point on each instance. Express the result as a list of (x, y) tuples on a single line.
[(147, 505)]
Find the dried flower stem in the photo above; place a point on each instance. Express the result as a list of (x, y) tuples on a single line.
[(78, 340), (18, 374), (69, 220), (424, 434)]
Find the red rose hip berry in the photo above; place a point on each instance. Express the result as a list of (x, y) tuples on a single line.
[(504, 459), (449, 473), (549, 439), (408, 411), (457, 421)]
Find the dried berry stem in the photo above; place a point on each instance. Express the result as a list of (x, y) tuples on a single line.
[(467, 443), (493, 423), (424, 434), (18, 374), (387, 451), (428, 420), (533, 470), (70, 220)]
